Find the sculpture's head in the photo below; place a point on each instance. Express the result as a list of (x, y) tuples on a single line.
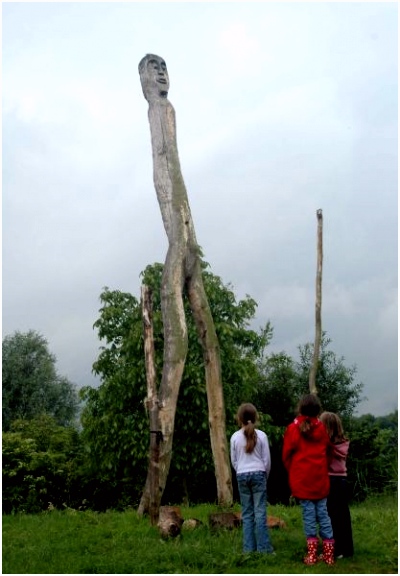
[(153, 77)]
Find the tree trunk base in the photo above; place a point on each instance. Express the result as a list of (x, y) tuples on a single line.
[(228, 520), (170, 521)]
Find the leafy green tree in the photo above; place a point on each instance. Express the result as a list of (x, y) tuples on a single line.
[(388, 422), (115, 425), (284, 380), (373, 455), (335, 381), (31, 384), (278, 388), (41, 463)]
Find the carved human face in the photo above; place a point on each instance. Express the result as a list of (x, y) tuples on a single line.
[(154, 77)]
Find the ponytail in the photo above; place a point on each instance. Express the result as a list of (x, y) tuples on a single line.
[(246, 417), (309, 406), (305, 427), (251, 436)]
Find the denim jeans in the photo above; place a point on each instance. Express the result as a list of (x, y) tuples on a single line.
[(315, 512), (253, 499)]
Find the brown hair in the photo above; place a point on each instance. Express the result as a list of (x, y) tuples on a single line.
[(310, 406), (247, 417), (333, 426)]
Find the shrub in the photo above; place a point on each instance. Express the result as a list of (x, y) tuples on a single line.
[(41, 463), (373, 456)]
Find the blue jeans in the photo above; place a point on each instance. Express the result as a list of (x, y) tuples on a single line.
[(253, 499), (315, 512)]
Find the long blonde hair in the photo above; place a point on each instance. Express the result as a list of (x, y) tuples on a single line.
[(247, 416), (334, 427)]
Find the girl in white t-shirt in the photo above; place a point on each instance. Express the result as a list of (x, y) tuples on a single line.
[(251, 460)]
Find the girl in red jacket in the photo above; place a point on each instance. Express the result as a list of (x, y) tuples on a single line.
[(305, 456), (338, 503)]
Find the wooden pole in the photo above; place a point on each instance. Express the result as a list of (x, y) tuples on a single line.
[(318, 300), (151, 404)]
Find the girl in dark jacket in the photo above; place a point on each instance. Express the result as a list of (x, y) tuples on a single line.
[(305, 455), (338, 506)]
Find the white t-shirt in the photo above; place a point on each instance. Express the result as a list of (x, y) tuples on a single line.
[(256, 461)]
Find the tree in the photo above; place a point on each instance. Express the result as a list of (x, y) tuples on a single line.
[(335, 381), (31, 384), (115, 424), (284, 381), (40, 464), (373, 455), (277, 391)]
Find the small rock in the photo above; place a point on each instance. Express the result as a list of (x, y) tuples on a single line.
[(191, 523)]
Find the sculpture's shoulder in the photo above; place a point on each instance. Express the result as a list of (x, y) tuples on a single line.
[(170, 110)]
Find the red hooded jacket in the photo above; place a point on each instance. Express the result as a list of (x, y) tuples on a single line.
[(306, 459)]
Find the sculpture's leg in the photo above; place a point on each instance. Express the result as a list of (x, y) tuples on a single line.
[(215, 398)]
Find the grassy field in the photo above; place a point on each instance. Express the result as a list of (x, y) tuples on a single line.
[(71, 542)]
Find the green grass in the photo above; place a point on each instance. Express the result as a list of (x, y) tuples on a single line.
[(71, 542)]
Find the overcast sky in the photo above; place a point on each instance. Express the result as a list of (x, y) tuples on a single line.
[(281, 108)]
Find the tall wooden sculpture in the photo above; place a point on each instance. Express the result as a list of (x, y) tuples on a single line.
[(182, 271)]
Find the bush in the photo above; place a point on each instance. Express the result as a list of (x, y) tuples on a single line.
[(41, 463), (373, 457)]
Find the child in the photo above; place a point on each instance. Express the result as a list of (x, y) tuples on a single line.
[(338, 507), (305, 456), (251, 460)]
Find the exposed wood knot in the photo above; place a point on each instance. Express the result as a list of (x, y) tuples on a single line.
[(159, 435), (146, 317)]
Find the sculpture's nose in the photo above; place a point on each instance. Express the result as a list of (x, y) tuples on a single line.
[(162, 76)]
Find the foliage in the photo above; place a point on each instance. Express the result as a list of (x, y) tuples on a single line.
[(31, 384), (373, 455), (74, 542), (106, 463), (284, 381), (113, 417), (278, 389), (40, 465), (115, 425), (335, 381)]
